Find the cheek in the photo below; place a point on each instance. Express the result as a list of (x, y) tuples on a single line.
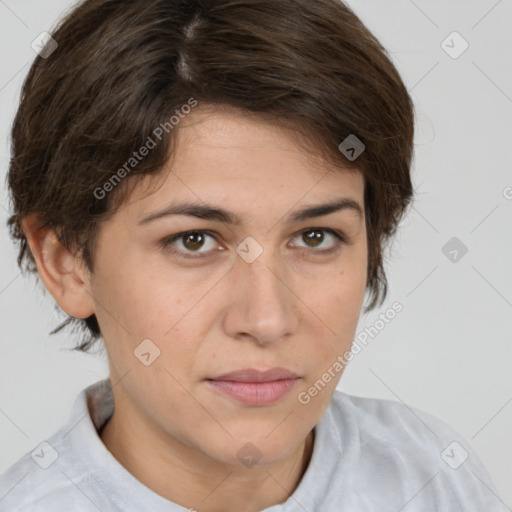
[(131, 302), (343, 294), (338, 305)]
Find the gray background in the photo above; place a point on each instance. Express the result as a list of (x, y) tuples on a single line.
[(449, 351)]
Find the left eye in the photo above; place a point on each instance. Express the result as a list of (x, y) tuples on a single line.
[(192, 241), (317, 236)]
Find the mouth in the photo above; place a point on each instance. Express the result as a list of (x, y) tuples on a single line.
[(255, 387)]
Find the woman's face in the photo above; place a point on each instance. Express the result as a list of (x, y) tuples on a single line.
[(269, 291)]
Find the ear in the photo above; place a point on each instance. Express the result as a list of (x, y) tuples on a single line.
[(62, 272)]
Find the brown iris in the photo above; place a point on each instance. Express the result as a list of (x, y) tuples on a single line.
[(195, 238), (313, 236)]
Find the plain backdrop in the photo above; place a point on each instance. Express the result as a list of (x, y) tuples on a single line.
[(448, 352)]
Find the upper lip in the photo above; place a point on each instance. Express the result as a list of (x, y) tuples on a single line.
[(253, 375)]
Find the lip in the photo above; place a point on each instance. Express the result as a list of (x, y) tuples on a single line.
[(255, 387), (254, 375), (254, 393)]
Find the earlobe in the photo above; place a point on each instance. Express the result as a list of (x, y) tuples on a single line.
[(62, 272)]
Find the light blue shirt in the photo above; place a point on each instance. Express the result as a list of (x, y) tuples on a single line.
[(369, 455)]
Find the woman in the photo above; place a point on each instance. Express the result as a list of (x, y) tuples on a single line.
[(208, 187)]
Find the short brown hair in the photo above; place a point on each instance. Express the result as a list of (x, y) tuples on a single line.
[(124, 67)]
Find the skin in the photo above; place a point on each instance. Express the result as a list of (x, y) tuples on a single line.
[(292, 307)]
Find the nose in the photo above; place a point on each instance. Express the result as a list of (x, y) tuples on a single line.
[(262, 304)]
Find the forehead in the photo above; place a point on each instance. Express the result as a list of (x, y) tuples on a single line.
[(234, 157), (229, 131)]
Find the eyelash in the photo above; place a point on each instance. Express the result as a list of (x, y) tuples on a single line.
[(166, 242)]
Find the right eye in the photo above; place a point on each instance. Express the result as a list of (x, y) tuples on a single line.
[(190, 242)]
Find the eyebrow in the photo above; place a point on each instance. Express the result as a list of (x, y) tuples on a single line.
[(209, 212)]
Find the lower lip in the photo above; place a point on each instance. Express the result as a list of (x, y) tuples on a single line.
[(254, 393)]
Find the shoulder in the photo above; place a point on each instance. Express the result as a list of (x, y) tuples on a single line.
[(382, 417), (45, 479), (399, 425), (416, 448)]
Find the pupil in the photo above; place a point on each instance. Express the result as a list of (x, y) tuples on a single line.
[(314, 236), (195, 244)]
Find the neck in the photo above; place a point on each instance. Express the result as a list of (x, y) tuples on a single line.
[(189, 478)]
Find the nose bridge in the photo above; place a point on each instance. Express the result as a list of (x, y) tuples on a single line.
[(265, 279), (259, 262), (264, 304)]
